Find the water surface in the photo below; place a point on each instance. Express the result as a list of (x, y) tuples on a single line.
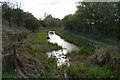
[(60, 54)]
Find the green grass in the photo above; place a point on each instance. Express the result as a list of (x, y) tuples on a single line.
[(39, 39), (77, 69), (91, 71), (96, 37), (80, 66), (10, 73), (72, 39), (85, 47), (86, 50), (38, 46)]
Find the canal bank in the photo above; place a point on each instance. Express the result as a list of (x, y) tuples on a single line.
[(35, 57), (80, 66)]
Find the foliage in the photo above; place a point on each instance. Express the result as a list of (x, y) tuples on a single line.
[(50, 21), (19, 17), (7, 12), (85, 50), (95, 18), (73, 71), (80, 67), (32, 24), (83, 71), (10, 73)]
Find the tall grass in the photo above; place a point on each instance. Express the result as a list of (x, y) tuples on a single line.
[(37, 46), (72, 38), (91, 71), (9, 73), (81, 69), (39, 38), (85, 50), (84, 69)]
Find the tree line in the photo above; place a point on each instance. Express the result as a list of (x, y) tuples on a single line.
[(13, 14), (99, 18), (50, 21)]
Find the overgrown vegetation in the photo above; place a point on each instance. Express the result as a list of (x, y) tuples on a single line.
[(79, 59), (100, 19), (71, 38), (16, 15), (79, 67), (39, 44), (50, 21), (90, 18), (97, 38), (9, 73), (13, 14), (91, 71), (86, 50)]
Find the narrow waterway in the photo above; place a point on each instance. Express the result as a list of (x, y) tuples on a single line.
[(60, 54)]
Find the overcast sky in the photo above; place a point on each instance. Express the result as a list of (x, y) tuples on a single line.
[(57, 8)]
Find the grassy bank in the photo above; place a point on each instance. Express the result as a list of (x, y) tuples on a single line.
[(91, 71), (9, 73), (71, 38), (79, 41), (81, 67), (97, 37), (85, 47), (39, 44)]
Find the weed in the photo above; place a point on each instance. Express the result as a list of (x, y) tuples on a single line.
[(85, 50), (39, 38), (10, 73)]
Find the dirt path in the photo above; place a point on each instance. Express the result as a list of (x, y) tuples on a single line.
[(111, 48), (91, 40)]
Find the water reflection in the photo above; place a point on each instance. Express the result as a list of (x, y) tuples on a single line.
[(60, 54)]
